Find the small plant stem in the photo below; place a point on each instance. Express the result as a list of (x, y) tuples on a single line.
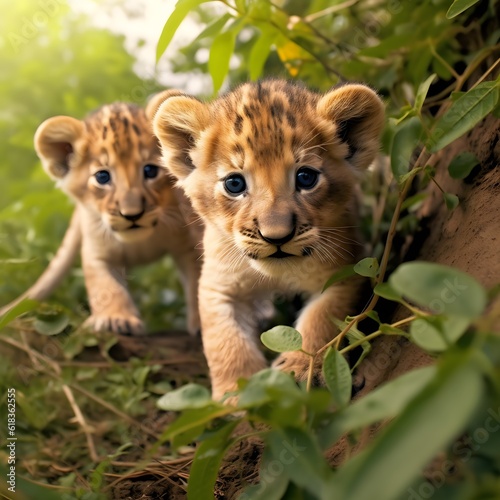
[(437, 184), (414, 310), (310, 373), (83, 423), (376, 334), (493, 66), (474, 64), (330, 10), (444, 62)]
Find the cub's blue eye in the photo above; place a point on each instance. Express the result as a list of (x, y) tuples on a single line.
[(150, 171), (102, 177), (306, 178), (235, 184)]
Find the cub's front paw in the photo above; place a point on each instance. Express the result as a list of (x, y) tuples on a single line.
[(118, 323), (298, 363), (218, 391)]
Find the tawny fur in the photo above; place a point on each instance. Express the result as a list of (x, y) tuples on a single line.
[(117, 138), (266, 132)]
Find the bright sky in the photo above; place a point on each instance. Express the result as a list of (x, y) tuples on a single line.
[(144, 20)]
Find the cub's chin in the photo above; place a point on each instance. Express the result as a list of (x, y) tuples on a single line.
[(276, 267), (134, 235)]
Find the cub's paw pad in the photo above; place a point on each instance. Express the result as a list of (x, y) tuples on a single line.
[(298, 363), (124, 325)]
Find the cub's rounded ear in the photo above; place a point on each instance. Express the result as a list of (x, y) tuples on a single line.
[(57, 140), (155, 101), (357, 113), (178, 124)]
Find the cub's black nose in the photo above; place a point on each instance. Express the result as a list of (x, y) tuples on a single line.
[(278, 241), (132, 217)]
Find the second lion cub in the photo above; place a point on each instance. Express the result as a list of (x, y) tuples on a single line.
[(271, 168)]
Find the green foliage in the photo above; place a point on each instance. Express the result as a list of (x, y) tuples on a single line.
[(468, 110), (186, 398), (282, 339), (207, 461), (337, 377), (367, 267), (440, 289), (462, 165)]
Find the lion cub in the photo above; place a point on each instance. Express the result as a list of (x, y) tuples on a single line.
[(271, 168), (128, 211)]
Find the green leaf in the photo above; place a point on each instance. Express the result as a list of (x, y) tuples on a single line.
[(403, 178), (337, 377), (260, 51), (435, 335), (440, 289), (51, 323), (391, 330), (459, 6), (387, 401), (187, 397), (422, 91), (451, 201), (24, 306), (194, 420), (354, 335), (206, 463), (340, 275), (271, 486), (464, 114), (220, 55), (263, 386), (413, 202), (300, 458), (386, 291), (182, 8), (282, 339), (367, 267), (406, 139), (373, 315), (431, 420), (462, 165), (214, 27)]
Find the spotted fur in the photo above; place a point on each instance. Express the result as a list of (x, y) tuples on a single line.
[(276, 236), (130, 220)]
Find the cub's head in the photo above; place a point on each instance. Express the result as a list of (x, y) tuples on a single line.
[(109, 163), (274, 165)]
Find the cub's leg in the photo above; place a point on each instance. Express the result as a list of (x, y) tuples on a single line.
[(110, 302), (317, 328), (228, 332)]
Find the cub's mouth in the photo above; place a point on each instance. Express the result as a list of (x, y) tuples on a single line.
[(280, 254), (135, 226)]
